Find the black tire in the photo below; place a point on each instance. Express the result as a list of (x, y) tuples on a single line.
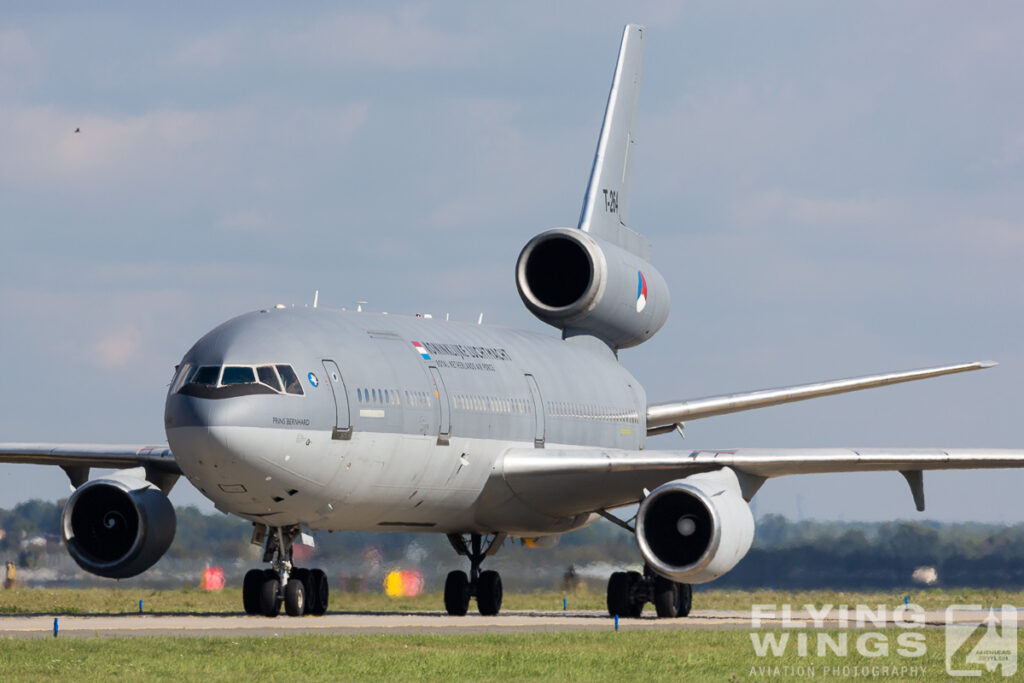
[(618, 595), (456, 594), (299, 574), (488, 593), (294, 598), (636, 606), (318, 592), (251, 586), (667, 598), (270, 594), (685, 599)]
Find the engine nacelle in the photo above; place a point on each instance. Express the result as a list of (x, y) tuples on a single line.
[(693, 530), (117, 527), (584, 285)]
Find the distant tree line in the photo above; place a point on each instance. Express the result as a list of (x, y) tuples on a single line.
[(858, 555), (786, 554)]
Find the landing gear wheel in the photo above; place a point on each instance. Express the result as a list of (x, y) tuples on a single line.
[(456, 593), (685, 599), (618, 595), (251, 587), (317, 593), (270, 594), (635, 600), (668, 597), (303, 576), (294, 598), (488, 593)]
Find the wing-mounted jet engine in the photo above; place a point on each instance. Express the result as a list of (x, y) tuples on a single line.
[(696, 529), (118, 526), (582, 284)]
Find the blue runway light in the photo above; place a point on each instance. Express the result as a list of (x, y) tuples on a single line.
[(616, 622), (55, 627), (140, 606)]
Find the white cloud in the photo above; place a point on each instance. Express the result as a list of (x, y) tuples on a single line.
[(118, 348), (408, 37), (823, 212), (19, 60), (41, 143), (168, 158)]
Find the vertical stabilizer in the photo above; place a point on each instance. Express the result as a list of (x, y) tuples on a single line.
[(606, 204)]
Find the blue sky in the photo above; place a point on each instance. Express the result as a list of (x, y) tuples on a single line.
[(830, 191)]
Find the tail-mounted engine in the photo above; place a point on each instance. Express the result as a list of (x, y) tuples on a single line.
[(584, 285), (693, 530), (117, 527)]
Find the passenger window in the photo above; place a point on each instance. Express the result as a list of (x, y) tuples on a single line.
[(208, 374), (291, 381), (238, 375), (269, 377)]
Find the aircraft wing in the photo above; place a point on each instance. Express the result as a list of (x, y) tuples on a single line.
[(663, 417), (575, 481), (76, 458)]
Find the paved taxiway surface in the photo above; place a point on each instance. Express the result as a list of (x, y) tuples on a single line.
[(129, 625)]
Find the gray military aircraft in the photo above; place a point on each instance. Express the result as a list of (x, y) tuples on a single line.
[(307, 418)]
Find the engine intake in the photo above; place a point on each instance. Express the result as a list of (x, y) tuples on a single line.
[(117, 527), (584, 285), (693, 530)]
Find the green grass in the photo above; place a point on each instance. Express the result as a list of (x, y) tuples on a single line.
[(69, 601), (723, 655)]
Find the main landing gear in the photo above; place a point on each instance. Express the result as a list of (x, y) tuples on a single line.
[(302, 591), (629, 591), (484, 586)]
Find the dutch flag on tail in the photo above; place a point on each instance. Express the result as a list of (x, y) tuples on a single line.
[(641, 291)]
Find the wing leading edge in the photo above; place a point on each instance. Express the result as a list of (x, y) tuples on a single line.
[(76, 459), (663, 417), (573, 482)]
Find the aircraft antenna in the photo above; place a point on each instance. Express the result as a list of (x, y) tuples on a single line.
[(316, 298), (359, 306), (480, 319)]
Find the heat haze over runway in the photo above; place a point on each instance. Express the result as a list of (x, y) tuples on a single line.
[(353, 623)]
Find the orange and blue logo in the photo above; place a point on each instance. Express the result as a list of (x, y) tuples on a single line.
[(641, 291)]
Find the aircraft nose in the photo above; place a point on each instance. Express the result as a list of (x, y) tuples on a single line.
[(198, 430)]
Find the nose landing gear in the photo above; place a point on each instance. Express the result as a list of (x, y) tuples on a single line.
[(484, 586), (300, 590)]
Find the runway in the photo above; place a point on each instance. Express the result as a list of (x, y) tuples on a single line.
[(351, 623)]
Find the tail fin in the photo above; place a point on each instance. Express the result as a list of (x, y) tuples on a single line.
[(606, 204)]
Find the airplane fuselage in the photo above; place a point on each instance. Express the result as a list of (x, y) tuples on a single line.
[(400, 424)]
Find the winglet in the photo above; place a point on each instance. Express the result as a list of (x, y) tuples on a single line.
[(605, 211)]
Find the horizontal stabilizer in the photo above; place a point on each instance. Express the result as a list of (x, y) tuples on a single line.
[(662, 417)]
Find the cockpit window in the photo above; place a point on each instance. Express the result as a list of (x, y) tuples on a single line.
[(214, 381), (269, 377), (183, 373), (234, 374), (291, 381), (208, 374)]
